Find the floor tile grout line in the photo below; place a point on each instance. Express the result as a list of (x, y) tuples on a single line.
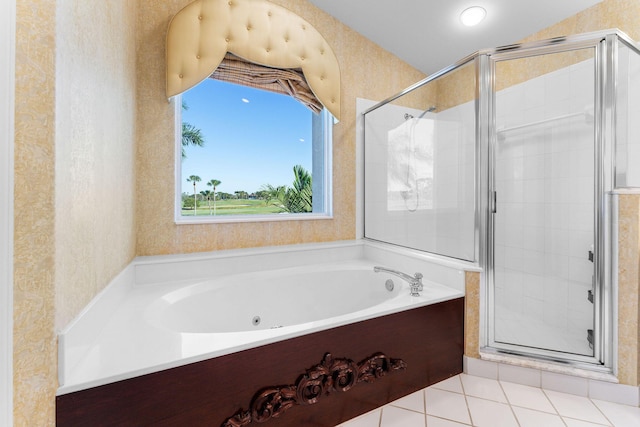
[(601, 411), (468, 410), (584, 421), (553, 405), (449, 391), (424, 404), (448, 419), (444, 389), (508, 402), (534, 410), (573, 418), (486, 398), (402, 407), (562, 420), (466, 401), (515, 417), (531, 409)]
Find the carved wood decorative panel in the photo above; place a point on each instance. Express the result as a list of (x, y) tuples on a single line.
[(323, 379)]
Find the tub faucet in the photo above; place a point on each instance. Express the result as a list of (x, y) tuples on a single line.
[(415, 281)]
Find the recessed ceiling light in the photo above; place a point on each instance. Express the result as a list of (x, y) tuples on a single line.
[(472, 16)]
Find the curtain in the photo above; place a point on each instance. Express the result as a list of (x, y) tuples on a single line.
[(285, 81)]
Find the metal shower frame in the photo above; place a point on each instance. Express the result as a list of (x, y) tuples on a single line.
[(605, 44)]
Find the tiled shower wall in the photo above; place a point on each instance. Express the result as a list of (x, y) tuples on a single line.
[(628, 127), (544, 179)]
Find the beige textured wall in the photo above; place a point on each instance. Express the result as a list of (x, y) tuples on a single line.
[(621, 14), (420, 98), (34, 341), (472, 314), (512, 72), (95, 149), (629, 289), (459, 87), (74, 177), (367, 71)]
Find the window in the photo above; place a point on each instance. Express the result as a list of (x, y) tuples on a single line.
[(248, 154)]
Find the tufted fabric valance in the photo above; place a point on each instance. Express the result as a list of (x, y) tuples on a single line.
[(202, 33)]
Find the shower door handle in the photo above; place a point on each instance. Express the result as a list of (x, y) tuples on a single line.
[(494, 202)]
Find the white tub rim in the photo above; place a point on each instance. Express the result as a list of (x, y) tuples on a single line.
[(75, 342)]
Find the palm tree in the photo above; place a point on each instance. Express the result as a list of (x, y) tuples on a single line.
[(206, 194), (296, 199), (214, 183), (191, 135), (194, 179), (274, 195), (299, 197)]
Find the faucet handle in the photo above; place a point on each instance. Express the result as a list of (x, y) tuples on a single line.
[(419, 277)]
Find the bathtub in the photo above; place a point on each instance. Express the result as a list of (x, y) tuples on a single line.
[(166, 315), (299, 298)]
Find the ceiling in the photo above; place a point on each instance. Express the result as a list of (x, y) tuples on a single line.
[(428, 34)]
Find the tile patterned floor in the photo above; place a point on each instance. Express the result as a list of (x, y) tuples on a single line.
[(466, 400)]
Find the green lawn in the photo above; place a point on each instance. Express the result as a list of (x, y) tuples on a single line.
[(234, 207)]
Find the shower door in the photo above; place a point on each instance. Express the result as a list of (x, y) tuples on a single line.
[(543, 191)]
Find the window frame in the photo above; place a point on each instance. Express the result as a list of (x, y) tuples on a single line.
[(324, 124)]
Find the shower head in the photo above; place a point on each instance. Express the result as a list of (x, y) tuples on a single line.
[(431, 109), (428, 110)]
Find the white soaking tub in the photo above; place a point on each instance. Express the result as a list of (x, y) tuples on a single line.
[(168, 311)]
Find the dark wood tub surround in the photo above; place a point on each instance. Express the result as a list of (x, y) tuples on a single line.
[(428, 339), (331, 375)]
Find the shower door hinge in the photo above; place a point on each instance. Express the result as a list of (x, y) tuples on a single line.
[(494, 202)]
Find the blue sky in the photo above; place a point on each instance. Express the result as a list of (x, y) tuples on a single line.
[(252, 137)]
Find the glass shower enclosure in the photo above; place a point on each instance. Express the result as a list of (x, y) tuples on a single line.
[(420, 167), (507, 160), (544, 198)]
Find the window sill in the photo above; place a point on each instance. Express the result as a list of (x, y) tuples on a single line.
[(252, 218)]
